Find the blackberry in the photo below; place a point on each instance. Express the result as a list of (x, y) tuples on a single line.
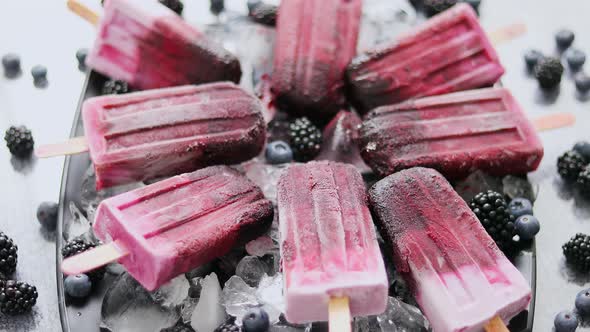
[(492, 210), (180, 327), (433, 7), (577, 252), (228, 327), (77, 246), (115, 87), (264, 13), (176, 5), (548, 72), (19, 141), (305, 139), (570, 164), (16, 297), (584, 181), (8, 255)]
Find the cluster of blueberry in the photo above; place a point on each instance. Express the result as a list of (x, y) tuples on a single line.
[(12, 69), (567, 321), (548, 70)]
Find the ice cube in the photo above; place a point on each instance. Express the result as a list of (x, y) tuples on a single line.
[(208, 313), (265, 176), (517, 187), (77, 226), (127, 306), (382, 19), (226, 265), (366, 324), (251, 269), (477, 182), (283, 326), (272, 261), (187, 308), (270, 295), (402, 317), (261, 246), (238, 298), (173, 293)]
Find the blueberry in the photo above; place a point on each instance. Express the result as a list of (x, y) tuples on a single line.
[(278, 152), (564, 38), (47, 215), (575, 59), (217, 6), (583, 302), (78, 286), (527, 227), (39, 73), (81, 55), (565, 321), (252, 4), (255, 320), (11, 63), (520, 206), (582, 83), (583, 148), (532, 57)]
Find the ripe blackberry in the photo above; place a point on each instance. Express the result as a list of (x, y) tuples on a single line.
[(548, 72), (16, 297), (305, 139), (584, 181), (433, 7), (8, 254), (115, 87), (228, 327), (264, 13), (492, 210), (19, 141), (180, 327), (577, 252), (570, 164), (77, 246), (176, 5)]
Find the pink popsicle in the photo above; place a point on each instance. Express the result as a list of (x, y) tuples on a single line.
[(328, 242), (460, 278), (315, 42), (170, 131), (455, 134), (448, 53), (149, 46), (175, 225)]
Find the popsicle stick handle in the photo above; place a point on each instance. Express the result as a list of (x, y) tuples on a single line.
[(73, 146), (507, 33), (84, 12), (554, 121), (93, 258), (339, 314), (496, 325)]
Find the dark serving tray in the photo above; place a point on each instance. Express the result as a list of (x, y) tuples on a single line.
[(86, 315)]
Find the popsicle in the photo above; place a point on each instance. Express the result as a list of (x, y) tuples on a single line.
[(170, 227), (149, 46), (163, 132), (459, 277), (328, 244), (447, 53), (455, 134), (315, 42)]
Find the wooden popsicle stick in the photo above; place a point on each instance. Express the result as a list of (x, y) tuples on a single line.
[(339, 314), (496, 325), (554, 121), (93, 258), (73, 146), (84, 12), (507, 33)]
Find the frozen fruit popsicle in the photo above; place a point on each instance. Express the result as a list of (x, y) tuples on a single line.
[(328, 242), (448, 53), (455, 133), (163, 132), (315, 42), (149, 46), (459, 277), (170, 227)]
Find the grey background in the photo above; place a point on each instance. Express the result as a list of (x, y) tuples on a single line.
[(44, 32)]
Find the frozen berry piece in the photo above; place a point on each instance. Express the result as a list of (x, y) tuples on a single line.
[(549, 72), (47, 215)]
